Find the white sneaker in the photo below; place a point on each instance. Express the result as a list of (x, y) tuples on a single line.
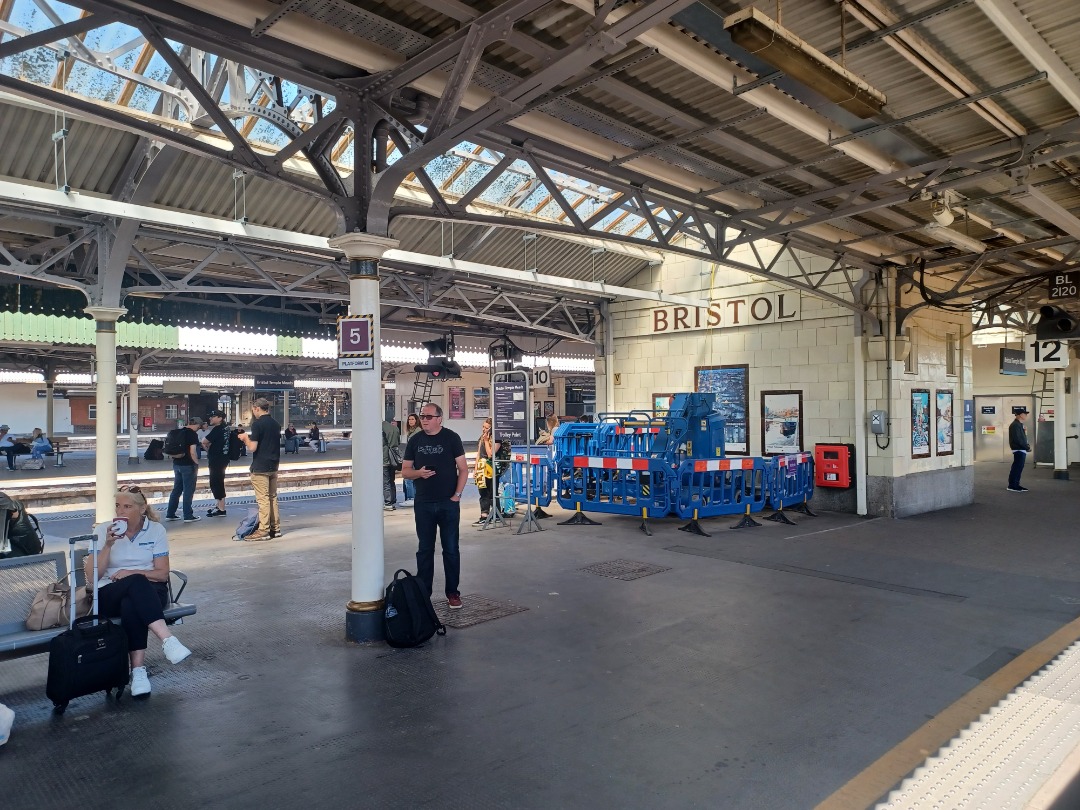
[(174, 650), (140, 684), (7, 718)]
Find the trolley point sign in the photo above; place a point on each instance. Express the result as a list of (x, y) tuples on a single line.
[(747, 310)]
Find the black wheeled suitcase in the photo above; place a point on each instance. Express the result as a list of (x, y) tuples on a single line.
[(91, 656)]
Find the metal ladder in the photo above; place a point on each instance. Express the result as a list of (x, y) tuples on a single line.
[(1044, 405), (421, 390)]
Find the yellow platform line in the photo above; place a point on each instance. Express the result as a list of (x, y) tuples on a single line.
[(870, 786)]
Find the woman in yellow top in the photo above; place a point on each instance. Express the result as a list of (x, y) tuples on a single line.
[(485, 450)]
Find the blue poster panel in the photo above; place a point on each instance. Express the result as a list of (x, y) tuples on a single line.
[(731, 384)]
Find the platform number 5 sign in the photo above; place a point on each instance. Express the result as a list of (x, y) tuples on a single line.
[(1044, 354)]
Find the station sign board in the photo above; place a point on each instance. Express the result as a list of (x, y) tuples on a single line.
[(274, 383), (356, 343), (1045, 354)]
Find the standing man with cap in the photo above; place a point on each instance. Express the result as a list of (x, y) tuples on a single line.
[(185, 473), (264, 444), (435, 460), (1018, 443), (216, 444)]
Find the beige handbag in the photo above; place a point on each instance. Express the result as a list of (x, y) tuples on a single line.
[(51, 606)]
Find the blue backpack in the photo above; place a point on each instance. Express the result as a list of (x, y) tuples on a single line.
[(247, 525)]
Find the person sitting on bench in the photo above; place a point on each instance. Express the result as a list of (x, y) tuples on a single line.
[(133, 577), (11, 448), (39, 444), (313, 436)]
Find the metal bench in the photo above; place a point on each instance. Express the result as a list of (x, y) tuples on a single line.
[(60, 447), (22, 577)]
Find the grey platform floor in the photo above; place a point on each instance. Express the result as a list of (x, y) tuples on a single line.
[(763, 669)]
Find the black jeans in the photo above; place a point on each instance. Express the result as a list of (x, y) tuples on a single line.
[(486, 493), (444, 516), (1019, 459), (217, 480), (138, 602), (389, 484)]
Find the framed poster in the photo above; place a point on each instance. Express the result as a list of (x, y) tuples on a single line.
[(661, 403), (781, 422), (920, 423), (457, 402), (943, 420), (549, 408), (481, 403), (731, 384)]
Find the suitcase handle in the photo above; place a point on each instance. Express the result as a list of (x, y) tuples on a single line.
[(91, 619)]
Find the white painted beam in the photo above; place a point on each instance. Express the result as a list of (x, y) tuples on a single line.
[(1022, 34), (38, 196)]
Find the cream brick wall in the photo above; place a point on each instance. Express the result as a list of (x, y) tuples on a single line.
[(931, 327), (813, 355)]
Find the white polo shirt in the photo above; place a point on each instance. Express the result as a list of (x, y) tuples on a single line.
[(137, 553)]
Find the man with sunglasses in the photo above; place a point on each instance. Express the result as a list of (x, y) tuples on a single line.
[(435, 461)]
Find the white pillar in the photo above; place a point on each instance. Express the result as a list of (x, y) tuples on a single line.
[(363, 616), (105, 444), (285, 407), (1061, 427), (133, 418)]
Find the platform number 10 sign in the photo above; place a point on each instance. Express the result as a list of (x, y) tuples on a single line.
[(1045, 354)]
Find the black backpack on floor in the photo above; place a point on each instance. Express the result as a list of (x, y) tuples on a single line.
[(408, 618), (153, 451)]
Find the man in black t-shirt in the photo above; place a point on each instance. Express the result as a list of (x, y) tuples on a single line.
[(216, 443), (435, 462), (263, 441), (185, 472)]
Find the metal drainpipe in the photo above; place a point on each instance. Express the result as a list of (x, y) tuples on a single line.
[(859, 364), (609, 357)]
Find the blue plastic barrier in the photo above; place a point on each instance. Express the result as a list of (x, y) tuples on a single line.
[(791, 479), (623, 486), (720, 486), (541, 473)]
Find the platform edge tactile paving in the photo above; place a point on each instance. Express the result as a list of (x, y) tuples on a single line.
[(626, 570), (1001, 760), (475, 609)]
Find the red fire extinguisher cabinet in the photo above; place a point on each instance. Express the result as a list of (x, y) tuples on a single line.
[(834, 465)]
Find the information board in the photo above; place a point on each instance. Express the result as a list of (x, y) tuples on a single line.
[(511, 411)]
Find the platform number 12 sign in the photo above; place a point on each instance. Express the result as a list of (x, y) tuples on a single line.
[(1045, 354)]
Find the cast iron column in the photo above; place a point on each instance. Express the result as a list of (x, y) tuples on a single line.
[(105, 444), (1061, 427), (363, 613), (133, 418)]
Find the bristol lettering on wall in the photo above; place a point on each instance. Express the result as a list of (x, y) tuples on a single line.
[(725, 313)]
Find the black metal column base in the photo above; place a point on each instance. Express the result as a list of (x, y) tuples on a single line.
[(364, 627), (579, 519), (694, 528), (780, 517), (540, 513), (747, 522), (645, 527), (804, 509), (1061, 475)]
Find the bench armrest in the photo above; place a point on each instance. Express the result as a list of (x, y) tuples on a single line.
[(180, 575)]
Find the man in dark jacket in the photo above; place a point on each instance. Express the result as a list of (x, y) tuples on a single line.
[(391, 437), (1018, 443)]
